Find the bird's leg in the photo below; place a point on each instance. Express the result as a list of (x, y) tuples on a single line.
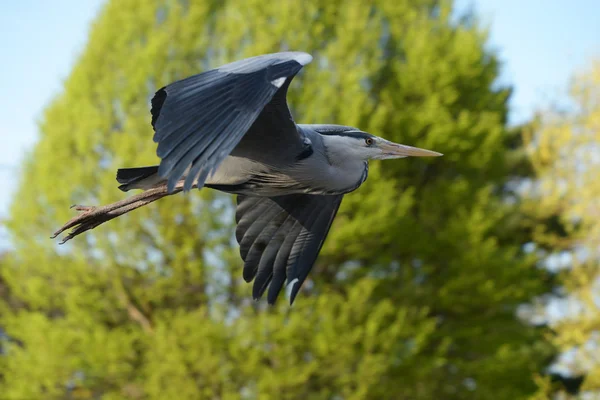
[(90, 216)]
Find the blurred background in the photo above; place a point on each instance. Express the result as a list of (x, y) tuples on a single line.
[(471, 276)]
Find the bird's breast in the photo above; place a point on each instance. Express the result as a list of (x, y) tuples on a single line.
[(309, 176), (327, 178)]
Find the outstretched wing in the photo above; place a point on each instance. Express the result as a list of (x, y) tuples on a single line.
[(280, 237), (199, 120)]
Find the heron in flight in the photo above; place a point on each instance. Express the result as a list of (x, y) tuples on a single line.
[(230, 129)]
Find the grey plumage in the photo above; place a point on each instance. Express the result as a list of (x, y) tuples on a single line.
[(199, 120), (230, 129), (128, 177), (281, 236)]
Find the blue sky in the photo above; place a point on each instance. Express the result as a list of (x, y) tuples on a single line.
[(541, 43), (39, 41)]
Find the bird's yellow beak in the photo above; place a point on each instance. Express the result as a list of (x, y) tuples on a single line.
[(395, 150)]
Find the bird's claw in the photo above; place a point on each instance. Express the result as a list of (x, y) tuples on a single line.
[(88, 219), (79, 207), (91, 216)]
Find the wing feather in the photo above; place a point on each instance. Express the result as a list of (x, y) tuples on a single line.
[(284, 244), (281, 237), (260, 243), (255, 228), (199, 120)]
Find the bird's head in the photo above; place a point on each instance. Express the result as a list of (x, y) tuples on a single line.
[(353, 143)]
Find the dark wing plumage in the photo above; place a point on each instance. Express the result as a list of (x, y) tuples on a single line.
[(199, 120), (280, 238)]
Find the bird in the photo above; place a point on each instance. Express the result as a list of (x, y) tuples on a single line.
[(230, 129)]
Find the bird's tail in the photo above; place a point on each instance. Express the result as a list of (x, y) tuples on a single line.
[(138, 178)]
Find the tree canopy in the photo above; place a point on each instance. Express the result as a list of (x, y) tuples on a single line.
[(415, 291), (564, 147)]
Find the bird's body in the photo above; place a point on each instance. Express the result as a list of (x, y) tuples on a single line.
[(262, 174), (230, 129), (311, 171)]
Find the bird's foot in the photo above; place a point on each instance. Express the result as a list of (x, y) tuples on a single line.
[(92, 216), (88, 218)]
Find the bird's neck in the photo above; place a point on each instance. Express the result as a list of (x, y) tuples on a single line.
[(347, 169), (342, 153)]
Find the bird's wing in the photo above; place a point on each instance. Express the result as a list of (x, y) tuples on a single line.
[(200, 119), (280, 237)]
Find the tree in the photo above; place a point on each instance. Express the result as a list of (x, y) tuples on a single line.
[(563, 148), (415, 291)]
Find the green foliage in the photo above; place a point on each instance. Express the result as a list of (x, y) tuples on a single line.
[(350, 348), (414, 294), (564, 151)]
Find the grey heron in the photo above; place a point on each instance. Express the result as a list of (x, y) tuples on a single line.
[(230, 129)]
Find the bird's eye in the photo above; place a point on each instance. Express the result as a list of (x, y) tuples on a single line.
[(369, 141)]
